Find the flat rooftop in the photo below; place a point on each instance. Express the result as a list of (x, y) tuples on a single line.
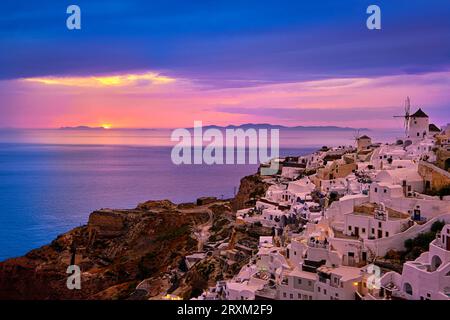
[(368, 209)]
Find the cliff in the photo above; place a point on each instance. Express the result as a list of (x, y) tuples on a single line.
[(115, 251), (137, 253), (251, 188)]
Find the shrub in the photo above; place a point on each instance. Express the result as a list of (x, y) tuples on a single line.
[(437, 226)]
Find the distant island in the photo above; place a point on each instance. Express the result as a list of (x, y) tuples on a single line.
[(281, 127), (81, 128)]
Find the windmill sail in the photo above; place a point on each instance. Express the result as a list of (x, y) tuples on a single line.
[(407, 114)]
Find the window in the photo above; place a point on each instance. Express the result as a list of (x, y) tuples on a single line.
[(299, 296), (284, 294), (318, 289), (387, 234), (299, 281), (385, 191), (291, 296), (408, 288), (379, 224), (309, 283), (324, 291), (373, 230), (349, 228), (376, 189), (363, 230)]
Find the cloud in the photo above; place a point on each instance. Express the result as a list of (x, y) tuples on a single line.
[(225, 44), (105, 81)]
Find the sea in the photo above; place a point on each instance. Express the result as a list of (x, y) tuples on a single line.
[(52, 179)]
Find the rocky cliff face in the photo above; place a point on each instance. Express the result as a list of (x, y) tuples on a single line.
[(115, 251), (251, 188), (133, 254)]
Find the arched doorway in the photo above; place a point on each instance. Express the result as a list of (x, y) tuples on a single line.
[(408, 288), (435, 262)]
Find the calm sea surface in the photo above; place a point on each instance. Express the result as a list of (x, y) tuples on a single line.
[(50, 180)]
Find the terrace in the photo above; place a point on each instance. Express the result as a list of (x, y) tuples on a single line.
[(368, 209)]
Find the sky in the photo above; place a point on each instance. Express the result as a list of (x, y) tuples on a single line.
[(151, 64)]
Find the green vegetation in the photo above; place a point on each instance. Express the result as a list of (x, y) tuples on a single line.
[(416, 246), (334, 196), (445, 191)]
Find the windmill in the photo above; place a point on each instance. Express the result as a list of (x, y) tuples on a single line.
[(356, 136), (407, 115)]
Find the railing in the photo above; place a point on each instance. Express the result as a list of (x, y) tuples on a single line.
[(319, 245)]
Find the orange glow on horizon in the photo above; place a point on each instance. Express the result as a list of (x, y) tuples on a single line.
[(151, 100), (103, 81)]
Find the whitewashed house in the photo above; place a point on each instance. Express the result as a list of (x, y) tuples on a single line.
[(427, 277)]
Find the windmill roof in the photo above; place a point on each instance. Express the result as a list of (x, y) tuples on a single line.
[(364, 137), (433, 127), (420, 114)]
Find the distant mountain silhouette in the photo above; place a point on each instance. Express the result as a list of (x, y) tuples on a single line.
[(244, 126), (81, 128), (280, 127)]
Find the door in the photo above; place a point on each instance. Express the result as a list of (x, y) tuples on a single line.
[(357, 231), (380, 233), (364, 256), (416, 215), (351, 258)]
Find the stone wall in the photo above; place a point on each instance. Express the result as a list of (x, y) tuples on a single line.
[(435, 178)]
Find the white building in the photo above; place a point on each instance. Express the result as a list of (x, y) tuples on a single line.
[(375, 221), (408, 178), (363, 142), (297, 285), (339, 283), (427, 277), (418, 125)]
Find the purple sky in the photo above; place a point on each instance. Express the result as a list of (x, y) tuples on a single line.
[(168, 63)]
